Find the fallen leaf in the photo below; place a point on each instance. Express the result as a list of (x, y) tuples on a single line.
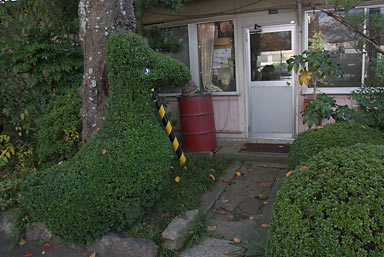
[(60, 163), (172, 167), (225, 181), (212, 177), (319, 127), (258, 181), (27, 254), (213, 170), (265, 202), (364, 127), (264, 225), (224, 201), (227, 218), (236, 240), (47, 245), (92, 255), (221, 212), (22, 242), (303, 168), (212, 228), (289, 173), (177, 179), (251, 217), (238, 173), (104, 151), (260, 195), (164, 215)]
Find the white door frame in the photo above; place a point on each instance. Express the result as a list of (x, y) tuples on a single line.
[(248, 83)]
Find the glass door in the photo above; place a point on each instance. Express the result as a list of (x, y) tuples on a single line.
[(270, 84)]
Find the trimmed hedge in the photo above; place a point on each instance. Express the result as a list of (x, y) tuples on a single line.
[(118, 175), (312, 141), (333, 207)]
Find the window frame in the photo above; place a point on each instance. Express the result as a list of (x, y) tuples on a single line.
[(194, 62), (337, 90)]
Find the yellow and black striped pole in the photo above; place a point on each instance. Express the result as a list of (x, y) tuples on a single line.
[(168, 127)]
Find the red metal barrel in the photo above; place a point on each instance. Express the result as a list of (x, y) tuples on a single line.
[(197, 123)]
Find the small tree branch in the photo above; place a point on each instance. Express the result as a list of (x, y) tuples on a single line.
[(342, 21)]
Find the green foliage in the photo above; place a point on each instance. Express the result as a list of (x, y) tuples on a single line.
[(371, 106), (119, 174), (172, 5), (161, 41), (325, 107), (58, 127), (310, 142), (318, 61), (333, 208), (254, 248), (6, 149), (197, 233)]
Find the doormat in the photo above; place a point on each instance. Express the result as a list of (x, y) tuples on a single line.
[(265, 148)]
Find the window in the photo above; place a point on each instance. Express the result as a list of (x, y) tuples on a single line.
[(355, 58), (217, 56), (269, 54), (342, 45), (180, 33)]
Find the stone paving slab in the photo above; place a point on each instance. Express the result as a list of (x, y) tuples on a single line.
[(245, 199), (212, 247)]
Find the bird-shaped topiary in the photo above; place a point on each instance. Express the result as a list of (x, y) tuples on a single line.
[(119, 174)]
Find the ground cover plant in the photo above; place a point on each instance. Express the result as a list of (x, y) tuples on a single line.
[(119, 174), (312, 141), (331, 205), (193, 179)]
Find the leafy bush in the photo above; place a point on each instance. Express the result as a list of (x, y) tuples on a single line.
[(331, 206), (310, 142), (58, 128), (119, 173), (371, 103), (325, 107)]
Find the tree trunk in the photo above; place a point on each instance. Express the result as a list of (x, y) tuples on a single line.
[(98, 20)]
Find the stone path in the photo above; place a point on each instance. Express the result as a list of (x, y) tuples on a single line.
[(235, 200)]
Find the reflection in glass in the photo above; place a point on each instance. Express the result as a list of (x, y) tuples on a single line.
[(217, 56), (269, 53), (343, 47)]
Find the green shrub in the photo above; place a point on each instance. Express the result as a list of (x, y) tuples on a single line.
[(371, 106), (117, 176), (58, 128), (313, 141), (333, 207)]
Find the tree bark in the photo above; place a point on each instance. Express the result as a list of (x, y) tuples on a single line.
[(98, 20)]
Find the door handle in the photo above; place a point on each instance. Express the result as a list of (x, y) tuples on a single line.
[(288, 83)]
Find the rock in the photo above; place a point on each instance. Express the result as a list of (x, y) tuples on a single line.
[(37, 231), (177, 230), (116, 244), (212, 247), (6, 222)]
